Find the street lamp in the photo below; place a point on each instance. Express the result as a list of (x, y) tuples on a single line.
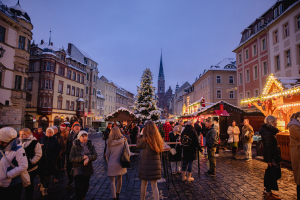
[(1, 52)]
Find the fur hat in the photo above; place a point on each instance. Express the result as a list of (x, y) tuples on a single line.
[(7, 134), (81, 133)]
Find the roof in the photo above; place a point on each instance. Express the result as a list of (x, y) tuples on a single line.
[(20, 12), (184, 86), (85, 54), (128, 114), (226, 64)]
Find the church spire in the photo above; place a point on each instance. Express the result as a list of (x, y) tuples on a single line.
[(50, 38), (161, 69)]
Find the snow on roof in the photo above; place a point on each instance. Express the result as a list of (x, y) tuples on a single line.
[(226, 64), (46, 45), (289, 82), (76, 68), (50, 53), (121, 109), (85, 54)]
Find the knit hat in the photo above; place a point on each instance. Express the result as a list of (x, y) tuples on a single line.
[(63, 126), (81, 133), (75, 124), (51, 129), (54, 127), (7, 134)]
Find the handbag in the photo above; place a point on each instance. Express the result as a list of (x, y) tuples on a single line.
[(24, 175), (230, 140), (77, 171), (125, 157), (173, 151)]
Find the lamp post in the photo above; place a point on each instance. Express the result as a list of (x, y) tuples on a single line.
[(1, 52)]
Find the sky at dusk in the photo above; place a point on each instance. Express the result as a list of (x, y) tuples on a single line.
[(126, 36)]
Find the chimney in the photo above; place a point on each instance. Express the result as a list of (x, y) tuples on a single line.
[(42, 41), (221, 106), (51, 43)]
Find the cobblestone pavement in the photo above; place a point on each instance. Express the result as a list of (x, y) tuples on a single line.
[(235, 179)]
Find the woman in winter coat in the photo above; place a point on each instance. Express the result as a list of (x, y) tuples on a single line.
[(294, 128), (10, 180), (150, 165), (33, 152), (51, 149), (176, 158), (272, 156), (115, 144), (233, 140), (82, 154)]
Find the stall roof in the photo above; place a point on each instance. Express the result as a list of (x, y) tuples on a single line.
[(121, 114)]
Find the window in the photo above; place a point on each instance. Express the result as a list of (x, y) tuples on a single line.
[(42, 83), (286, 30), (256, 93), (230, 79), (263, 44), (280, 9), (247, 54), (18, 82), (78, 77), (68, 89), (60, 87), (298, 54), (255, 71), (74, 76), (254, 50), (241, 78), (2, 34), (106, 87), (247, 75), (248, 94), (86, 90), (21, 42), (59, 104), (46, 101), (25, 84), (240, 58), (94, 91), (81, 93), (46, 84), (94, 78), (82, 79), (87, 77), (231, 94), (219, 79), (265, 68), (297, 24), (29, 84), (275, 36), (275, 13), (73, 91), (219, 94), (86, 104), (31, 67), (69, 74), (72, 105), (61, 71), (28, 44), (77, 92), (106, 97), (241, 96), (67, 105), (288, 57), (277, 63)]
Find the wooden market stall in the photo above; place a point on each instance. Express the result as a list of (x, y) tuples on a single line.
[(280, 98), (122, 115)]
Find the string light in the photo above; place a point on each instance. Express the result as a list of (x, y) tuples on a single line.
[(288, 105)]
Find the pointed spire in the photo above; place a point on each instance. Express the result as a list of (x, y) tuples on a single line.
[(18, 2), (50, 38), (161, 69)]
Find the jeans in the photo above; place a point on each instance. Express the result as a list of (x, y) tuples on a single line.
[(45, 180), (30, 188), (212, 159), (247, 149), (185, 163), (176, 165), (11, 192), (113, 185), (82, 184)]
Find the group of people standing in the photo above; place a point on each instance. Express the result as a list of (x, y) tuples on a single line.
[(44, 155)]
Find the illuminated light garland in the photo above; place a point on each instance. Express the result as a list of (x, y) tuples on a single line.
[(288, 105)]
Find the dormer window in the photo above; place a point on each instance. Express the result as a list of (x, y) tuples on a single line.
[(275, 13), (280, 9)]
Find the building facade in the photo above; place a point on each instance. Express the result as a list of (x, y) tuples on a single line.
[(109, 92), (15, 38)]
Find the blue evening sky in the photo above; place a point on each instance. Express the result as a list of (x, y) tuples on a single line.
[(126, 36)]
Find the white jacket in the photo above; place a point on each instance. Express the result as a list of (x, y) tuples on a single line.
[(234, 134), (16, 154)]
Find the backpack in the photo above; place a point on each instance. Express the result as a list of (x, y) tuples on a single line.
[(186, 141)]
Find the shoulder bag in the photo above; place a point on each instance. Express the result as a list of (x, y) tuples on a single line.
[(125, 157), (24, 175)]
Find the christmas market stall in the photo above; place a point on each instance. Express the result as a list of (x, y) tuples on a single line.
[(280, 98), (122, 115)]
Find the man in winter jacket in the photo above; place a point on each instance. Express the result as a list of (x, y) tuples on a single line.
[(198, 128), (212, 140), (58, 162), (71, 137), (247, 138), (167, 128), (39, 134)]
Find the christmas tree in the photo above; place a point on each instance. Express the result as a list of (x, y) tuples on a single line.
[(145, 101)]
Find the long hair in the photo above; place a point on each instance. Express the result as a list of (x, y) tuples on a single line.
[(115, 134), (27, 131), (153, 137)]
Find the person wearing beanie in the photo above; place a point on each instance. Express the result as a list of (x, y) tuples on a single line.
[(69, 143), (58, 162), (51, 150), (10, 181), (82, 154)]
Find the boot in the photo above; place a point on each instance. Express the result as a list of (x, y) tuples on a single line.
[(183, 175), (189, 177), (45, 192), (118, 196)]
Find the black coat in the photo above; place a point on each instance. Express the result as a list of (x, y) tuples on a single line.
[(77, 159), (189, 153), (270, 145), (212, 137), (69, 143), (133, 134), (204, 130), (51, 149), (198, 128), (177, 156)]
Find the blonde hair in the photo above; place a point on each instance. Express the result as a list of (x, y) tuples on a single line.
[(115, 134), (27, 131), (153, 137), (270, 120)]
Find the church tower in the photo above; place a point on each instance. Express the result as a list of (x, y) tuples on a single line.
[(161, 84)]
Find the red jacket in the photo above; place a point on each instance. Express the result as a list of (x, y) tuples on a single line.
[(38, 135), (167, 128)]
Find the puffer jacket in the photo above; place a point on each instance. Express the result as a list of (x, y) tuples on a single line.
[(16, 154), (150, 164), (77, 159), (212, 137), (33, 152), (189, 152), (51, 149), (268, 135), (233, 133)]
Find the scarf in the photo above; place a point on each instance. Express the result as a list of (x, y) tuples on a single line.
[(85, 150)]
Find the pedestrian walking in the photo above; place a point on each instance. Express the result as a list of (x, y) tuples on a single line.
[(39, 133), (247, 137), (272, 156), (11, 150), (294, 128), (105, 136), (115, 145), (82, 155), (167, 128), (50, 152), (211, 143), (189, 141), (58, 162), (150, 165), (233, 140), (175, 158), (33, 152), (69, 143)]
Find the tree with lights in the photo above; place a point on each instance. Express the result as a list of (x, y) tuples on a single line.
[(145, 100)]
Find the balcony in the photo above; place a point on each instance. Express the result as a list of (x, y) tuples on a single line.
[(80, 113), (44, 111)]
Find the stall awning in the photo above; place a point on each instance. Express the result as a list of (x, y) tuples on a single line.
[(222, 113)]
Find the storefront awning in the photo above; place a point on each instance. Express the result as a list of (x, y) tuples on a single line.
[(222, 113)]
